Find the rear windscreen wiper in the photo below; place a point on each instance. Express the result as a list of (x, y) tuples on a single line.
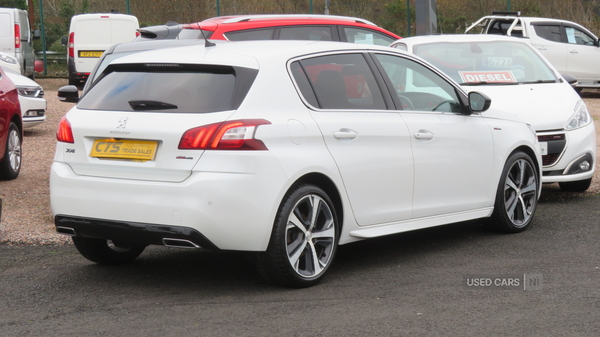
[(151, 105)]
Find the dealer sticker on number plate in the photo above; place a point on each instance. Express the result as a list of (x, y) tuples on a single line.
[(142, 150), (90, 53)]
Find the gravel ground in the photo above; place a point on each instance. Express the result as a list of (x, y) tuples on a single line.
[(26, 213)]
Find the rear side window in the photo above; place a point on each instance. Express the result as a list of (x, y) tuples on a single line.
[(169, 89), (367, 36), (251, 35), (548, 32), (342, 81), (315, 33)]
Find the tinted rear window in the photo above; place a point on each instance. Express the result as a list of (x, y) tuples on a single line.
[(168, 89)]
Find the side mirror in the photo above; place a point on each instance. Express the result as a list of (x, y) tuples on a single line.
[(36, 34), (69, 94), (64, 41), (479, 102), (570, 79)]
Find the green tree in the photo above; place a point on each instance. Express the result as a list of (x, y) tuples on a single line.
[(21, 4)]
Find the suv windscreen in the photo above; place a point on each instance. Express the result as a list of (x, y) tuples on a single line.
[(171, 88)]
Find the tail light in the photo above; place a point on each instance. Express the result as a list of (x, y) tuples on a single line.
[(64, 133), (17, 36), (230, 135), (72, 44)]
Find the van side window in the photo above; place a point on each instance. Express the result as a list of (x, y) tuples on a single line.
[(341, 82)]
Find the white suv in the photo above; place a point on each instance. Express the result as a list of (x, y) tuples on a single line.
[(281, 148), (571, 48)]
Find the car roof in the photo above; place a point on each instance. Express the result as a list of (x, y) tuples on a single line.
[(141, 45), (244, 53), (311, 18), (413, 40)]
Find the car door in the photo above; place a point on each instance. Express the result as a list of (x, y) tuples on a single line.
[(369, 143), (549, 41), (583, 54), (453, 152)]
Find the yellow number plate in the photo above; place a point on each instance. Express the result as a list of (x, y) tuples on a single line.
[(90, 53), (142, 150)]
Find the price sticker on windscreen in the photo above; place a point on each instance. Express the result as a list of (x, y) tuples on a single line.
[(501, 76)]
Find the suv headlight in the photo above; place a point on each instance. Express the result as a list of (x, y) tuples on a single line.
[(8, 59), (580, 118), (30, 91)]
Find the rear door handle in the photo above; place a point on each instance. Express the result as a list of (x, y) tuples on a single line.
[(423, 134), (345, 134)]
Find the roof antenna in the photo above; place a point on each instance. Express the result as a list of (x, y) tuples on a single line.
[(206, 42)]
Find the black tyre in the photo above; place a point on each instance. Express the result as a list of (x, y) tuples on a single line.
[(575, 186), (11, 164), (106, 251), (516, 198), (304, 239)]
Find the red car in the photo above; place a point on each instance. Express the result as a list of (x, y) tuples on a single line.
[(11, 129), (289, 27)]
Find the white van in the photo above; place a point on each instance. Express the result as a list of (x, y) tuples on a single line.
[(90, 35), (16, 38)]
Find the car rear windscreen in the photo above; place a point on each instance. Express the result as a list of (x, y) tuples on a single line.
[(168, 89)]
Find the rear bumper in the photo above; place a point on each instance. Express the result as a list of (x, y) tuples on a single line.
[(132, 232), (231, 210)]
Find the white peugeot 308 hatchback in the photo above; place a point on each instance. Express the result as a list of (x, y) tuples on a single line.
[(284, 149)]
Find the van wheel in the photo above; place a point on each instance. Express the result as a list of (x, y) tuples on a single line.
[(11, 164), (304, 239)]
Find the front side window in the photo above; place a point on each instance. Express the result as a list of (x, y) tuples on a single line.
[(576, 36), (163, 89), (342, 81), (417, 87), (314, 33), (367, 36)]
